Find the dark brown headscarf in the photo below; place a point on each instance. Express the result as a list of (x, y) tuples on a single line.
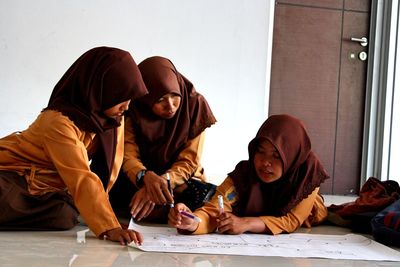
[(99, 79), (161, 140), (302, 170)]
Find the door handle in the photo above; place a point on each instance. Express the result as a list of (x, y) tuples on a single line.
[(363, 41)]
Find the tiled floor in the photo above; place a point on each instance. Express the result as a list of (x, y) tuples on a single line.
[(66, 249)]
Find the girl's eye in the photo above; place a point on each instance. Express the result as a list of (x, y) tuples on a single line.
[(276, 155), (259, 151)]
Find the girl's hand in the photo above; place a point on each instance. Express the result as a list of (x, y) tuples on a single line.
[(141, 204), (179, 221), (157, 188), (228, 223), (123, 236)]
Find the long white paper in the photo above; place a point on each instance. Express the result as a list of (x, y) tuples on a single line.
[(349, 246)]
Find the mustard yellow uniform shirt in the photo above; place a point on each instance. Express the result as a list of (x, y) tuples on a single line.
[(310, 211), (52, 155), (185, 166)]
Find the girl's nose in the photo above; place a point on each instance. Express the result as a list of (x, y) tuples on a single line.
[(267, 162), (170, 103), (127, 105)]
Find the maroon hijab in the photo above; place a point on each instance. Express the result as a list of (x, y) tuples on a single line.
[(161, 140), (99, 79), (302, 170)]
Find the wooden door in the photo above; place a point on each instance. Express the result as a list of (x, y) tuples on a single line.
[(317, 75)]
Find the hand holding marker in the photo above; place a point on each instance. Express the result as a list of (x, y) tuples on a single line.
[(189, 215)]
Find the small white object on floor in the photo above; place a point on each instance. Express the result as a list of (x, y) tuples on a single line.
[(81, 236)]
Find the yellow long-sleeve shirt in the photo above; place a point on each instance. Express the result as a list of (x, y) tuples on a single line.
[(52, 155), (186, 164), (310, 211)]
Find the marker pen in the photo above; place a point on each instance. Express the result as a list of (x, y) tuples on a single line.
[(221, 203), (191, 216), (169, 188)]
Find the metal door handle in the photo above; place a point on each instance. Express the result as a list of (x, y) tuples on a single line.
[(363, 41)]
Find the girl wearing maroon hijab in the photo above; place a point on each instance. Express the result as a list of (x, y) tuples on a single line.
[(163, 139), (276, 190), (46, 179)]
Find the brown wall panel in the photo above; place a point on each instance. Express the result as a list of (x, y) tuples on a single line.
[(315, 3), (358, 5), (303, 88)]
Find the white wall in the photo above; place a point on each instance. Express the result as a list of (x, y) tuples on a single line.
[(221, 46)]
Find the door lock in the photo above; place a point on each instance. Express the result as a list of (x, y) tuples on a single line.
[(362, 56)]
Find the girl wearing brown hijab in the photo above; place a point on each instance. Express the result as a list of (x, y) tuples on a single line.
[(275, 191), (164, 135), (45, 175)]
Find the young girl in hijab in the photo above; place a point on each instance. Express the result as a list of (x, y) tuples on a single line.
[(275, 191), (164, 137), (45, 175)]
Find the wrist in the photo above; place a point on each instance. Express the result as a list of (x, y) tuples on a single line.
[(191, 229), (254, 225), (194, 226), (140, 178)]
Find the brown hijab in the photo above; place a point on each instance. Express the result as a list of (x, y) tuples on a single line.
[(161, 140), (99, 79), (302, 170)]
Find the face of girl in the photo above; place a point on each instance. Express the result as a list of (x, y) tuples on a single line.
[(118, 110), (166, 106), (268, 162)]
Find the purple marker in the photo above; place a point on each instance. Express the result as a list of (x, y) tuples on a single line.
[(191, 216)]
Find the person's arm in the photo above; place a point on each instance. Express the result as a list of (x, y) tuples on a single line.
[(307, 212), (119, 156), (188, 160), (228, 223), (295, 218), (132, 164), (207, 214), (154, 188), (184, 166), (210, 212), (61, 138)]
